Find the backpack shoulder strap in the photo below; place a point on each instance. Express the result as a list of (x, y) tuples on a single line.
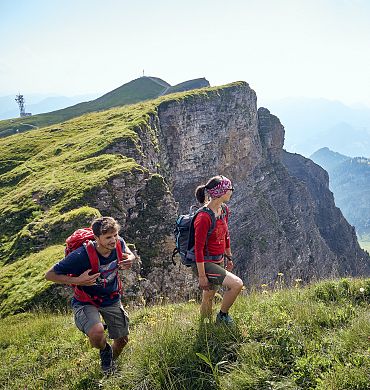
[(93, 256), (213, 219), (119, 250)]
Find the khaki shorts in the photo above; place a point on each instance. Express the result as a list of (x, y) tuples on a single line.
[(215, 273), (114, 316)]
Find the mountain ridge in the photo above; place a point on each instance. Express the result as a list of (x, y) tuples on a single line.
[(137, 90)]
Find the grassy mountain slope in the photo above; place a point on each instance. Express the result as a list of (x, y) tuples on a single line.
[(138, 90), (312, 338), (188, 85), (55, 170), (135, 91)]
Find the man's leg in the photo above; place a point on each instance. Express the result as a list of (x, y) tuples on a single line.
[(117, 321), (88, 320), (97, 337), (118, 345)]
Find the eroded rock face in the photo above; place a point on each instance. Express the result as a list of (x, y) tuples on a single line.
[(283, 217), (283, 220)]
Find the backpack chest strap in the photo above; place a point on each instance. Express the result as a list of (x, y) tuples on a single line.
[(119, 251), (93, 257)]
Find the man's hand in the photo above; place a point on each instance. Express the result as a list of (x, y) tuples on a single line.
[(203, 283), (85, 279), (127, 259)]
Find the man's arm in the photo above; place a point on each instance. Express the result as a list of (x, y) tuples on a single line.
[(83, 280)]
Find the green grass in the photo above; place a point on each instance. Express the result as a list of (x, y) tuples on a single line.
[(312, 338), (22, 282), (57, 170), (185, 86)]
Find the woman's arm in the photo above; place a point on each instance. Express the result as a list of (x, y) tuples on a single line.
[(229, 260), (202, 225), (202, 278)]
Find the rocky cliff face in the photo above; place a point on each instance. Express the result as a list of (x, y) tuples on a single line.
[(283, 215)]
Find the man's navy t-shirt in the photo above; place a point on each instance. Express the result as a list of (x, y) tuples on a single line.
[(78, 262)]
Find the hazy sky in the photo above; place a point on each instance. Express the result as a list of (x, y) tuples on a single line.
[(313, 48)]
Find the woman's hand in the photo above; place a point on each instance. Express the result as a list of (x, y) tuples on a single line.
[(229, 265), (203, 283)]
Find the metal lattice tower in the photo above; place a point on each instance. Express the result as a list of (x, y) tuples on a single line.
[(20, 100)]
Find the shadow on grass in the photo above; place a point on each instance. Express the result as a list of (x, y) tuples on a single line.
[(210, 355)]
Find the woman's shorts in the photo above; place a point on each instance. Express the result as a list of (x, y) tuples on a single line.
[(215, 273), (114, 316)]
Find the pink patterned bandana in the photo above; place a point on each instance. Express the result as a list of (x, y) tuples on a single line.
[(221, 188)]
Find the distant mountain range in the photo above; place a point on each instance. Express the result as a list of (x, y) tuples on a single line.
[(349, 179), (141, 89), (311, 124)]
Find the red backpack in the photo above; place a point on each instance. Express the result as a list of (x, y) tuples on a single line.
[(84, 237)]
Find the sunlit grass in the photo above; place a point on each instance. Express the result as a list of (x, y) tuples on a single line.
[(311, 338)]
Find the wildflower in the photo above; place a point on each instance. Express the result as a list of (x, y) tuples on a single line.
[(218, 296), (280, 274), (362, 290), (298, 280), (264, 285)]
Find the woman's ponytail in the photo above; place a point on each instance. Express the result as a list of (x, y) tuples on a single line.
[(200, 194)]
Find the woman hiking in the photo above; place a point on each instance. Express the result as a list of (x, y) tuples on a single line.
[(212, 251)]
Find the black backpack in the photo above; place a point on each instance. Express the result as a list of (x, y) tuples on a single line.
[(185, 237)]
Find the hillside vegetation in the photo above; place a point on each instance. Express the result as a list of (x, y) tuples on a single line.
[(135, 91), (311, 338)]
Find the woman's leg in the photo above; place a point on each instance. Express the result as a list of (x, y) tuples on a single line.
[(234, 285), (206, 305)]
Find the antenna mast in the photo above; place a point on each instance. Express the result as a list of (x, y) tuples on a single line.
[(20, 100)]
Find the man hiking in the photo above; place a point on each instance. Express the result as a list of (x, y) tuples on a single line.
[(97, 288)]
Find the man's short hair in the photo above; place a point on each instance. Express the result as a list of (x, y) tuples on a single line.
[(103, 225)]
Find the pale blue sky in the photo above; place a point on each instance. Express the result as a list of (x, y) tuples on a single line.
[(280, 47)]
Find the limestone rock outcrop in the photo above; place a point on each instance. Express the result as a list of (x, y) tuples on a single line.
[(283, 217)]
